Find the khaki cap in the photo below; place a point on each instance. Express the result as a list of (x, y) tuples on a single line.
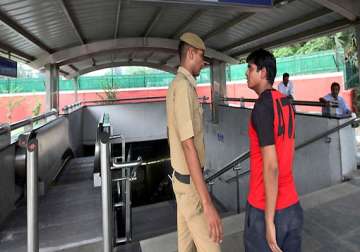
[(193, 40)]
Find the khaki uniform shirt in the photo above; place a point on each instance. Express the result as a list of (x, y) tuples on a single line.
[(184, 119)]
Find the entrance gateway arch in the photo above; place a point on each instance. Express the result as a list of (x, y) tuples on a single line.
[(74, 37)]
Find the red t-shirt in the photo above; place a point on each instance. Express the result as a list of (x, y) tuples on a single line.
[(272, 123)]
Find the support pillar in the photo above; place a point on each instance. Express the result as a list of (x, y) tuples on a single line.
[(52, 87), (218, 86), (76, 86)]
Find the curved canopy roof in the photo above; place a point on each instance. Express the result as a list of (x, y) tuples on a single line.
[(86, 35)]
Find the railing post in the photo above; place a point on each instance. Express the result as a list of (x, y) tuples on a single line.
[(242, 102), (32, 196), (123, 148), (128, 231), (106, 192), (29, 141), (237, 169), (211, 185)]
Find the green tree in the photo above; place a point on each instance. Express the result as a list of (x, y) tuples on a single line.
[(12, 104), (285, 51), (315, 45), (37, 108), (344, 40), (109, 89)]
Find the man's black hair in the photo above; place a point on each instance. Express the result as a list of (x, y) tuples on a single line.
[(286, 75), (183, 47), (335, 84), (264, 59)]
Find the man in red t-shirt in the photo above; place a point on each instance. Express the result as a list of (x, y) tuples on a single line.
[(274, 217)]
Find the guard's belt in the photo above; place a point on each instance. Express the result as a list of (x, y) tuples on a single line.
[(185, 179), (182, 178)]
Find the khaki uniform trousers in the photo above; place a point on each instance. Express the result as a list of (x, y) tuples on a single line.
[(192, 227)]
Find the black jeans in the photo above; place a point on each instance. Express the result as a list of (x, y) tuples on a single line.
[(288, 224)]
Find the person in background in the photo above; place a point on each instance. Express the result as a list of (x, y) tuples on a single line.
[(333, 98), (286, 87)]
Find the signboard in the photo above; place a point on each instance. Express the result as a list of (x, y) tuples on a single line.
[(242, 2), (247, 3), (8, 67)]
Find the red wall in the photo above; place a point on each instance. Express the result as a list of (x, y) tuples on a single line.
[(309, 87)]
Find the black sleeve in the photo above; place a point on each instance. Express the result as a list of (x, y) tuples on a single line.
[(262, 119)]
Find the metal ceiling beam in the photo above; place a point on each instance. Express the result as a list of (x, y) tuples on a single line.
[(74, 68), (154, 22), (69, 69), (122, 63), (17, 52), (69, 18), (286, 26), (222, 28), (166, 60), (117, 20), (64, 73), (187, 23), (78, 53), (349, 9), (21, 31), (132, 56), (149, 56), (208, 4), (316, 32)]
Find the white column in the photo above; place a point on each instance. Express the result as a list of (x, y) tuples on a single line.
[(52, 87), (76, 86), (218, 86)]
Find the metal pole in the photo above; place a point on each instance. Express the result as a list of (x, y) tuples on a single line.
[(32, 196), (211, 185), (237, 169), (123, 148), (106, 196), (128, 205)]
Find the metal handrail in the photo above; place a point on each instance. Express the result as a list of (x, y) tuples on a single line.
[(109, 165), (71, 107), (83, 103), (229, 166), (29, 141), (107, 216), (294, 102), (354, 122), (121, 100), (131, 164), (4, 128), (32, 120)]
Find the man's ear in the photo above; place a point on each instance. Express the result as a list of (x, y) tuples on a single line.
[(263, 73), (191, 53)]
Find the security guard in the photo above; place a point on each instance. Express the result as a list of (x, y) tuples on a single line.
[(198, 223)]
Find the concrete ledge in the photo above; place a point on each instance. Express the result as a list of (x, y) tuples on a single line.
[(93, 245)]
